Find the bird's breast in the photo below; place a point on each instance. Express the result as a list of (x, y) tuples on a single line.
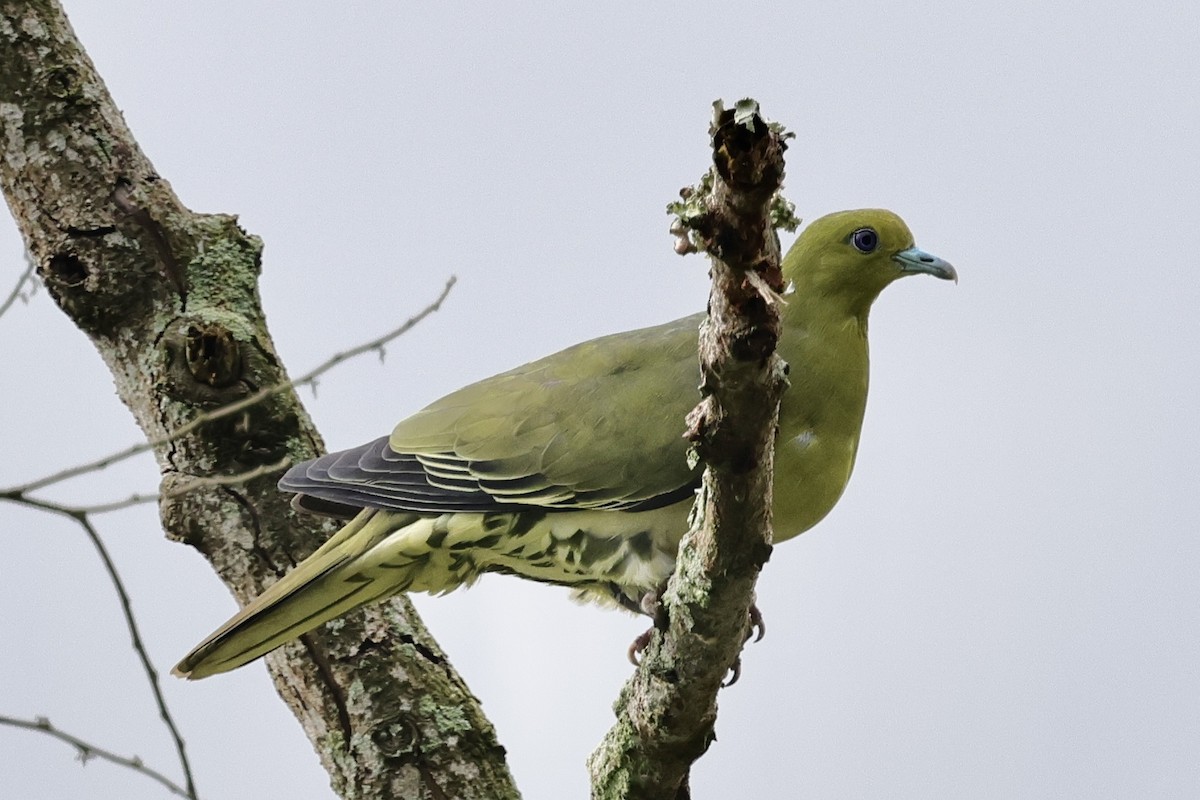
[(811, 472), (820, 419)]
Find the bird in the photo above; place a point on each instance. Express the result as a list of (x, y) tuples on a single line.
[(573, 469)]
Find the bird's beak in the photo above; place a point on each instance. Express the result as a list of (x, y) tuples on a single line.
[(914, 260)]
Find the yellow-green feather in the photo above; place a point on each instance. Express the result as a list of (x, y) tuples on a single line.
[(596, 425)]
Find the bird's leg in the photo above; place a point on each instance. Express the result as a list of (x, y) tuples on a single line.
[(650, 605)]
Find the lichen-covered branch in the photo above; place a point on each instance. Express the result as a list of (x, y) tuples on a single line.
[(666, 713), (170, 300)]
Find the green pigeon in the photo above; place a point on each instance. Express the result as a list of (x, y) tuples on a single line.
[(573, 469)]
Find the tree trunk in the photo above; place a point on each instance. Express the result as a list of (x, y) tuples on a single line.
[(170, 300)]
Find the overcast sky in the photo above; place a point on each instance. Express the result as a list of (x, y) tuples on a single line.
[(1005, 603)]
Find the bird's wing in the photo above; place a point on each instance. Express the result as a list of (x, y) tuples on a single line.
[(596, 426)]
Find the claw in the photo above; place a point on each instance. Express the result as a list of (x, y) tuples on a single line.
[(652, 607), (758, 629), (736, 669), (640, 644), (757, 623)]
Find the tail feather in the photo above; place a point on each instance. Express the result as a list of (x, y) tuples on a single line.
[(335, 579)]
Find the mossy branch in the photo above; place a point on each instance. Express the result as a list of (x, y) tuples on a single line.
[(667, 712)]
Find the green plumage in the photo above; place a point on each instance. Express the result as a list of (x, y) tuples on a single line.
[(567, 424), (572, 469)]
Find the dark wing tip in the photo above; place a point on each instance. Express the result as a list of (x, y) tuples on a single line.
[(325, 508)]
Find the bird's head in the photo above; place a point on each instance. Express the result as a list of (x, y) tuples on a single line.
[(845, 259)]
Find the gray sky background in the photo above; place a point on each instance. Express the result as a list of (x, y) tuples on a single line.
[(1004, 604)]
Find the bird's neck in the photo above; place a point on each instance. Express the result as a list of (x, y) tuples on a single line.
[(829, 361)]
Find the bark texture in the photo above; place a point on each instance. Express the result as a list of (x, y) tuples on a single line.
[(170, 300), (666, 713)]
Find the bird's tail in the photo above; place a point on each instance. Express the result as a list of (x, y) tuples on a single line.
[(346, 572)]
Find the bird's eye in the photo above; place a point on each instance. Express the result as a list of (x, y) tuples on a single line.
[(865, 240)]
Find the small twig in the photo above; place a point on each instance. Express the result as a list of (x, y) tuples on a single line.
[(86, 750), (131, 625), (140, 648), (232, 408), (26, 277), (137, 499)]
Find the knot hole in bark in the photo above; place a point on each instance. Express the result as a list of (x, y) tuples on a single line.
[(401, 738), (66, 271), (62, 82), (212, 354)]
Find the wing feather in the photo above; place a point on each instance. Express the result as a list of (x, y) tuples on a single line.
[(596, 426)]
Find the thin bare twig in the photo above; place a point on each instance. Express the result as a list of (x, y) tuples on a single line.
[(140, 648), (232, 408), (26, 277), (86, 750), (137, 499), (81, 516), (131, 624)]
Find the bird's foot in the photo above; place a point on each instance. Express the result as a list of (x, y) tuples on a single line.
[(757, 630), (638, 645), (650, 605)]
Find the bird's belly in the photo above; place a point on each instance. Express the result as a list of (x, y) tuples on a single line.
[(604, 555), (612, 556)]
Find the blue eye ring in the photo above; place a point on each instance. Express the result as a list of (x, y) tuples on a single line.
[(865, 240)]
